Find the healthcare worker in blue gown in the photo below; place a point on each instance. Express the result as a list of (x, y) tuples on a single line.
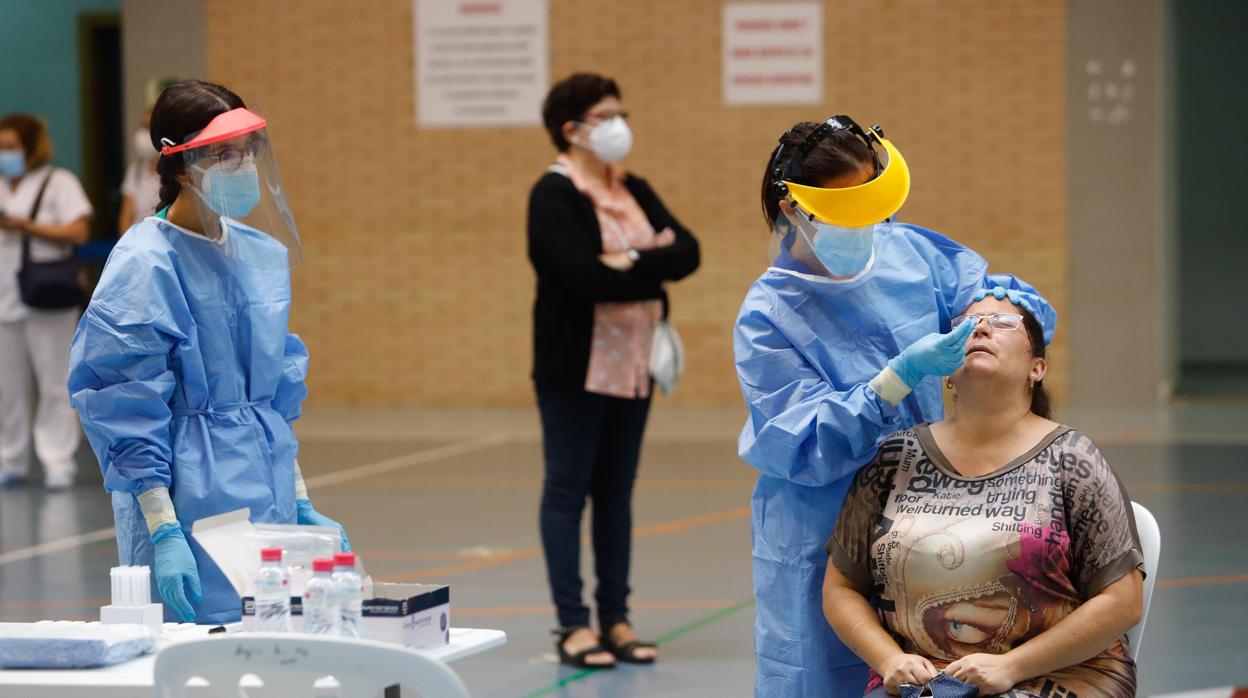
[(183, 370), (839, 343)]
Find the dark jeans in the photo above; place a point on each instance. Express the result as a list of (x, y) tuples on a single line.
[(591, 445)]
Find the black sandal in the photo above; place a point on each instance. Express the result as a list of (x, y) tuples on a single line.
[(627, 652), (579, 660)]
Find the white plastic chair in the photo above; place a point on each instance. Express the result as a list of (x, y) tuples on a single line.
[(1150, 545), (289, 665)]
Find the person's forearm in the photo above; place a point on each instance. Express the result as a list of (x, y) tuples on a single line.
[(858, 626), (74, 233), (1083, 634)]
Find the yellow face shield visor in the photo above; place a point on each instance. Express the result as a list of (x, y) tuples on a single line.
[(852, 207)]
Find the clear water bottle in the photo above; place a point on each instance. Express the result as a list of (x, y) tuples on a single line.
[(350, 594), (320, 608), (272, 597)]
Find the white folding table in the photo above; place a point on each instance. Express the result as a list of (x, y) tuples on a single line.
[(135, 679)]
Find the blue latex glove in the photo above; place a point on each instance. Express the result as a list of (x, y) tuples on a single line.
[(934, 355), (308, 516), (176, 571)]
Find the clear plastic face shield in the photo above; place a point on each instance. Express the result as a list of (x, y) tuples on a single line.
[(231, 168), (831, 231)]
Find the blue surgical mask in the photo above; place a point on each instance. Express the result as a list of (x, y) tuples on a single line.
[(843, 251), (12, 164), (233, 194)]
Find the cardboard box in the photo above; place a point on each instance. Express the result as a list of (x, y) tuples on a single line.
[(416, 615)]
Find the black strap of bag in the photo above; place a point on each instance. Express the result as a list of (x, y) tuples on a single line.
[(34, 213), (48, 285)]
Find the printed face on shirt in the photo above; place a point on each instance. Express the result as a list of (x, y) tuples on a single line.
[(968, 627), (957, 600), (964, 566)]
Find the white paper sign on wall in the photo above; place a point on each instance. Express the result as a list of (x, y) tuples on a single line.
[(481, 62), (773, 53)]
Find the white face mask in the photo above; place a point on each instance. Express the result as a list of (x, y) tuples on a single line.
[(143, 149), (610, 140)]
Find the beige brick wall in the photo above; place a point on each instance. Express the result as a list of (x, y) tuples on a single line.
[(416, 289)]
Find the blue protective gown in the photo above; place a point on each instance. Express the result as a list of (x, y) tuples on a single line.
[(185, 376), (805, 348)]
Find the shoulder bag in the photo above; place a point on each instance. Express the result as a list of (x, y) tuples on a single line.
[(49, 285)]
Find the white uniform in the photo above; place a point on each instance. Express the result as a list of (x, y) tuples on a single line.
[(34, 338)]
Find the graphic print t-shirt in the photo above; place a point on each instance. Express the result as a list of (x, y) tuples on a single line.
[(962, 565)]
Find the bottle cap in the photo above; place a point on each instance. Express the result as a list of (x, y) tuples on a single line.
[(323, 564), (271, 554), (344, 560)]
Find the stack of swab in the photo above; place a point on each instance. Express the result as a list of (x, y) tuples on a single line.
[(130, 585), (132, 598)]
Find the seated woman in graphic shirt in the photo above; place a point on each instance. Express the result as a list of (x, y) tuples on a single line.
[(999, 546)]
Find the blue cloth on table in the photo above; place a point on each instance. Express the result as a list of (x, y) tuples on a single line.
[(68, 645)]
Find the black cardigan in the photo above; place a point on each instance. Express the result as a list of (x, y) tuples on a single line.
[(564, 244)]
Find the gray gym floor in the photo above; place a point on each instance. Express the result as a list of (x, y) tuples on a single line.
[(452, 497)]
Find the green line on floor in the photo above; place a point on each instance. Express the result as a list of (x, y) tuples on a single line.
[(678, 632), (718, 615), (561, 683)]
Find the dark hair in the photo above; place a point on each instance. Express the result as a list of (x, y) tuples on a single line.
[(570, 98), (1040, 403), (33, 133), (184, 108), (840, 154)]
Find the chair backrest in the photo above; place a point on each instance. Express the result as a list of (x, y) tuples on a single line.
[(289, 664), (1150, 545)]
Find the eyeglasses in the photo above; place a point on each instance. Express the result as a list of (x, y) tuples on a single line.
[(997, 321), (231, 159), (605, 115)]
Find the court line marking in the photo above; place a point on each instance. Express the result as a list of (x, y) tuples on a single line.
[(662, 528), (1172, 583), (1181, 582), (52, 603), (719, 615), (418, 458), (1190, 487), (459, 613), (355, 473), (678, 632), (687, 485), (60, 545), (642, 483), (547, 610)]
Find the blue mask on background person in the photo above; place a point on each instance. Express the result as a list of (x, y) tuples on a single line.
[(12, 164), (843, 251), (233, 194)]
